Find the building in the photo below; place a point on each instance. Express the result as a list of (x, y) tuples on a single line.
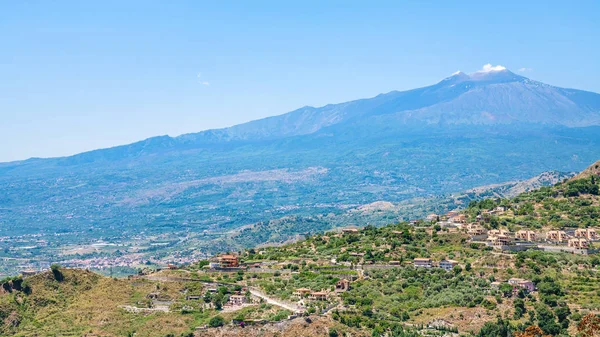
[(237, 299), (448, 265), (228, 261), (194, 297), (29, 272), (525, 235), (432, 217), (350, 230), (496, 232), (586, 233), (422, 262), (499, 241), (578, 243), (459, 218), (451, 214), (519, 283), (556, 236), (301, 292), (342, 285), (318, 296), (475, 229)]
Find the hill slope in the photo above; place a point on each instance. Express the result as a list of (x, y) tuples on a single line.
[(465, 131), (386, 293)]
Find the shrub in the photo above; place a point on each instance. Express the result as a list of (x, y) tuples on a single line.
[(216, 321)]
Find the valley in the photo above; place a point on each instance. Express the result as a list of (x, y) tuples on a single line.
[(442, 274)]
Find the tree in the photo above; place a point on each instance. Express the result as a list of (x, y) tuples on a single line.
[(216, 321), (499, 329), (562, 312), (531, 331), (519, 308), (546, 320), (589, 326), (58, 275), (506, 289)]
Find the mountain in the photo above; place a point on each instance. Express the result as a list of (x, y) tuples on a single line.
[(512, 189), (491, 97), (167, 194), (592, 170)]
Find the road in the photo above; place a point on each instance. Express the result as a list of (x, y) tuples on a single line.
[(270, 300), (291, 307)]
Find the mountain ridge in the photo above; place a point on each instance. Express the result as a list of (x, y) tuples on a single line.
[(483, 98)]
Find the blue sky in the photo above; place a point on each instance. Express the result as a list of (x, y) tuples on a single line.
[(81, 75)]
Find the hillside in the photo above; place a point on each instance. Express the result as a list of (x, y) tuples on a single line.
[(592, 170), (165, 195), (387, 292)]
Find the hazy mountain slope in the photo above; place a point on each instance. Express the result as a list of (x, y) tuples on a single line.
[(512, 189), (463, 132), (592, 170)]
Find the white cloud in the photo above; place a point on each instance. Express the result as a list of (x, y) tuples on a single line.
[(456, 72), (522, 70), (199, 76), (488, 67)]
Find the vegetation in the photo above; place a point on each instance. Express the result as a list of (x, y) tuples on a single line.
[(388, 296)]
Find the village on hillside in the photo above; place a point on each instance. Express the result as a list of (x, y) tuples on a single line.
[(518, 262)]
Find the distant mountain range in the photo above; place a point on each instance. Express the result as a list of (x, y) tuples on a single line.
[(492, 97), (484, 98), (465, 131)]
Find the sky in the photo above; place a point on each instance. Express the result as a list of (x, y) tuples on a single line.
[(82, 75)]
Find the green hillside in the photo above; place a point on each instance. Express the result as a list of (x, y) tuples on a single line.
[(387, 295)]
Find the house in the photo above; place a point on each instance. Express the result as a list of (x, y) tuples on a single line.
[(495, 285), (501, 209), (586, 233), (237, 299), (556, 236), (228, 261), (446, 224), (29, 272), (578, 243), (172, 266), (499, 241), (422, 262), (448, 264), (214, 265), (519, 283), (350, 230), (301, 292), (525, 235), (496, 232), (459, 218), (318, 296), (342, 285), (475, 229), (451, 214), (432, 217), (193, 297)]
